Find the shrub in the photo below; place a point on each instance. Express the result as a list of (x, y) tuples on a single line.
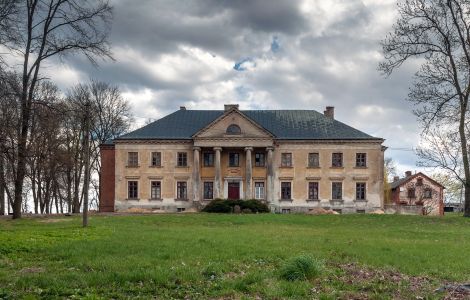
[(255, 206), (301, 268), (228, 206), (217, 206)]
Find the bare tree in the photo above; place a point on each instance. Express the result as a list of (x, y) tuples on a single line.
[(48, 28), (437, 32)]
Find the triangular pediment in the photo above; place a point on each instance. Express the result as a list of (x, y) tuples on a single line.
[(218, 128)]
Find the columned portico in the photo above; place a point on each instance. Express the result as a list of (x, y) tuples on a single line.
[(196, 175), (248, 172), (218, 174)]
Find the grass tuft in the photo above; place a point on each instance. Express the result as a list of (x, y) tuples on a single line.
[(301, 267)]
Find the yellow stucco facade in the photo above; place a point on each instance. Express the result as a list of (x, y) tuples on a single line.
[(284, 187)]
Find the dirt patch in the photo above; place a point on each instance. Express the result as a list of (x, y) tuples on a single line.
[(54, 220), (401, 285), (322, 211), (31, 270)]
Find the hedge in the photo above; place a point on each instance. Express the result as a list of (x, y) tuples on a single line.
[(228, 206)]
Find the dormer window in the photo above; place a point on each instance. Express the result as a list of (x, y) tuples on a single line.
[(234, 129)]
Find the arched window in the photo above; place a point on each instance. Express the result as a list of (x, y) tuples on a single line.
[(234, 129)]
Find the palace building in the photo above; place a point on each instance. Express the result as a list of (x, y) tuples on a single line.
[(294, 160)]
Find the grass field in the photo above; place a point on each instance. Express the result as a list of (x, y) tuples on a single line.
[(200, 256)]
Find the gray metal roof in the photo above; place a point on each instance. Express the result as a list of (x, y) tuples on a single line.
[(283, 124)]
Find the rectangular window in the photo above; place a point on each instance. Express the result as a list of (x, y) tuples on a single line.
[(156, 159), (361, 159), (208, 190), (313, 160), (155, 190), (182, 159), (411, 193), (132, 190), (337, 160), (286, 190), (286, 159), (259, 190), (132, 159), (208, 159), (233, 159), (337, 190), (259, 159), (313, 190), (427, 193), (181, 190), (360, 191), (419, 182), (360, 211), (180, 209), (285, 211)]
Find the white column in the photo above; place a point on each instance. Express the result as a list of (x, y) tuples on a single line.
[(218, 174), (196, 175), (248, 173), (270, 176)]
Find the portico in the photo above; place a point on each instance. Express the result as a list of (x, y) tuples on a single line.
[(233, 170)]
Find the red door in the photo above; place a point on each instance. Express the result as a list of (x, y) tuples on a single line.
[(234, 190)]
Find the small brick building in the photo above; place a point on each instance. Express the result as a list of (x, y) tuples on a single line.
[(418, 193)]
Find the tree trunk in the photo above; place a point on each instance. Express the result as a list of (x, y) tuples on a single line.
[(466, 210), (2, 187)]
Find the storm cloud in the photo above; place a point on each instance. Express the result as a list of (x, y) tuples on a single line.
[(260, 54)]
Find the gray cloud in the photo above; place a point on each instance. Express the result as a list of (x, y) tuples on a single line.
[(172, 53)]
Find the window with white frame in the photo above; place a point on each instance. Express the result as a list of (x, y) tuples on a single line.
[(259, 190)]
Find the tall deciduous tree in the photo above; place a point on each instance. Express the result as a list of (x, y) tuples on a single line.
[(438, 33), (44, 29)]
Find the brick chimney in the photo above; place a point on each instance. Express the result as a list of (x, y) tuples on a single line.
[(228, 107), (329, 112), (396, 178), (182, 107), (407, 173)]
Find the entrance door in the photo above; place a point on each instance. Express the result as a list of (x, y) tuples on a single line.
[(234, 190)]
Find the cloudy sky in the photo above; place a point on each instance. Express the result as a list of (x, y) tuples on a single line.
[(261, 54)]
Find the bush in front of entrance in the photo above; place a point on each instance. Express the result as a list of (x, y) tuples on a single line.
[(228, 206), (217, 206)]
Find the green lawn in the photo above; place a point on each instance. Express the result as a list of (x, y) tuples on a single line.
[(200, 256)]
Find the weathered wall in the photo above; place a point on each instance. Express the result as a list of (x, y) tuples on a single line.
[(300, 174)]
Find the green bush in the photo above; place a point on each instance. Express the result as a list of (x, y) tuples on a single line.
[(227, 206), (301, 268), (217, 206)]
